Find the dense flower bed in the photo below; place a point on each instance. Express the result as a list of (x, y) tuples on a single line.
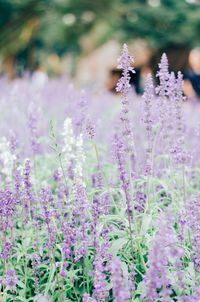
[(99, 201)]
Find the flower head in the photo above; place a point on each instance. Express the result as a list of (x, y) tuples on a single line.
[(163, 75), (120, 291), (124, 63), (11, 279)]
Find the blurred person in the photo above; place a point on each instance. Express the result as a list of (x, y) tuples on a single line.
[(192, 75)]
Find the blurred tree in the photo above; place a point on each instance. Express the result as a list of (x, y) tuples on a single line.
[(57, 26), (161, 22)]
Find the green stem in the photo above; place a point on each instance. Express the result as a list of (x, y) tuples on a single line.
[(83, 274), (25, 260), (13, 296), (63, 172), (104, 179), (61, 297), (75, 292)]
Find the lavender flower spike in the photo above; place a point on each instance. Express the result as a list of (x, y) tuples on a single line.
[(11, 279), (148, 120), (163, 75), (120, 291), (87, 298), (123, 86), (125, 61)]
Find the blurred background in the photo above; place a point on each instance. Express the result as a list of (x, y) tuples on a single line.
[(83, 38)]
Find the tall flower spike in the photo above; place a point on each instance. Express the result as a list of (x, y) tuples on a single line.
[(32, 122), (178, 106), (148, 98), (120, 291), (123, 86), (125, 61), (180, 84), (163, 101), (81, 112), (181, 156), (11, 279), (171, 86), (170, 119), (163, 75)]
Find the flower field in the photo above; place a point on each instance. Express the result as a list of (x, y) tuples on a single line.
[(99, 197)]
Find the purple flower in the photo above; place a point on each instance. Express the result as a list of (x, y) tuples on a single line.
[(140, 202), (13, 142), (192, 218), (32, 120), (87, 298), (81, 112), (90, 129), (18, 184), (148, 120), (36, 259), (7, 247), (28, 196), (46, 201), (56, 175), (163, 101), (67, 245), (123, 86), (120, 157), (165, 250), (7, 203), (100, 291), (119, 283), (125, 61), (180, 155), (80, 220), (11, 279), (163, 75)]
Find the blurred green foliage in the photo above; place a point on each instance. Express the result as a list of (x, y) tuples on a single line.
[(57, 25)]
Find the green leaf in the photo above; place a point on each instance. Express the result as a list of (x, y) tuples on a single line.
[(21, 284), (51, 276), (117, 245), (146, 224)]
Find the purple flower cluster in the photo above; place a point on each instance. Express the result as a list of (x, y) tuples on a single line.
[(192, 218), (148, 120), (11, 279), (94, 228), (32, 121), (7, 247), (101, 267), (165, 252), (119, 283), (124, 63)]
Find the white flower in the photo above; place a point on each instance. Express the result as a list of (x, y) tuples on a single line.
[(69, 141), (7, 159), (73, 150)]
